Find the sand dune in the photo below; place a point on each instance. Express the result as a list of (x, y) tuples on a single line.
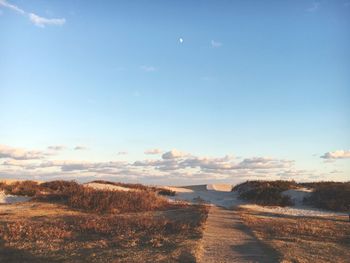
[(220, 195), (110, 187), (220, 187)]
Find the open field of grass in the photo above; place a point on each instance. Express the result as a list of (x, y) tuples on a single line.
[(302, 239), (68, 222)]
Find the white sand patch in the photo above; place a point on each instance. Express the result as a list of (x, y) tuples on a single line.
[(196, 193), (292, 211), (230, 200), (177, 189), (298, 195), (110, 187), (11, 199), (220, 187)]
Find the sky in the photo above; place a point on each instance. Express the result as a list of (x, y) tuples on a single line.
[(175, 92)]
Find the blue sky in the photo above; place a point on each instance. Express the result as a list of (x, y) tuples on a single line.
[(251, 79)]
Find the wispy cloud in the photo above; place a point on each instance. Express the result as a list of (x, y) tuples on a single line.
[(339, 154), (315, 6), (42, 21), (80, 148), (153, 151), (148, 68), (215, 44), (12, 7), (172, 166), (56, 147), (174, 154), (34, 18), (19, 154), (122, 153)]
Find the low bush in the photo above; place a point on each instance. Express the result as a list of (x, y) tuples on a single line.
[(86, 198), (26, 188), (59, 186), (158, 190), (330, 195), (266, 192), (103, 201)]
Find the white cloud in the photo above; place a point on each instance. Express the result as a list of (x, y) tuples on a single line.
[(80, 148), (339, 154), (4, 3), (148, 68), (122, 153), (215, 44), (42, 21), (174, 154), (56, 147), (34, 18), (153, 151), (19, 154), (263, 163), (172, 166)]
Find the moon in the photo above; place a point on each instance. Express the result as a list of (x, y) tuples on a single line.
[(181, 40)]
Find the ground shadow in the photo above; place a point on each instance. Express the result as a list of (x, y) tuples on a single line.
[(254, 250), (13, 255)]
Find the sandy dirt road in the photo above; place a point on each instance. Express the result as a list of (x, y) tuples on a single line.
[(225, 237)]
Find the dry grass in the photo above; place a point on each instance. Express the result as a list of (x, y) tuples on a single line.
[(54, 233), (302, 239), (74, 223), (114, 201), (158, 190), (89, 199), (27, 188)]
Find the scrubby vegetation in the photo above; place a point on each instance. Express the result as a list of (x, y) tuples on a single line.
[(302, 239), (330, 195), (326, 195), (266, 192), (81, 197), (27, 188), (114, 201), (89, 237), (158, 190), (70, 222)]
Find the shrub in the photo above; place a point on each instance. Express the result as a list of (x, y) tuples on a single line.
[(266, 192), (330, 195), (158, 190), (114, 201), (101, 201), (167, 192), (26, 188), (59, 185)]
